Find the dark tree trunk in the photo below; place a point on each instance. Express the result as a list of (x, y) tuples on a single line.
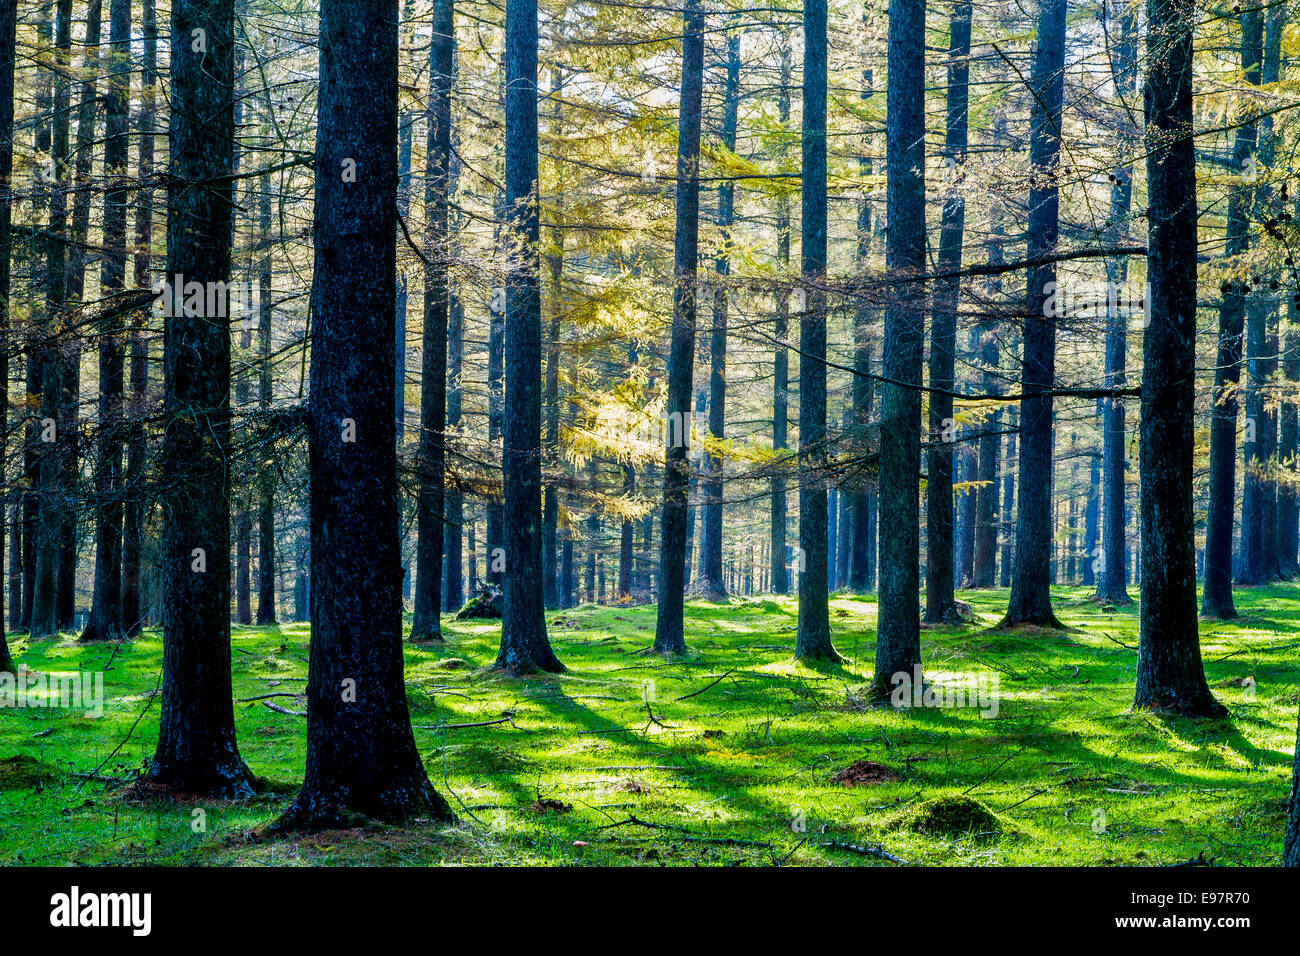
[(1092, 511), (1216, 597), (1169, 671), (266, 556), (940, 602), (453, 569), (197, 752), (8, 48), (551, 583), (136, 506), (425, 624), (778, 562), (669, 627), (524, 644), (1288, 512), (843, 538), (1111, 583), (494, 537), (813, 638), (898, 639), (105, 622), (711, 580), (361, 754), (1291, 841), (1031, 599), (987, 512)]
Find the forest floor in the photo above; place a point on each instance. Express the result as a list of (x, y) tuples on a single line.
[(728, 756)]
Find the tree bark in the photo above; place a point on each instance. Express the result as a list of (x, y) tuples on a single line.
[(426, 624), (813, 637), (669, 627), (361, 754), (1169, 671), (898, 639), (1031, 599), (525, 646), (940, 601), (197, 752)]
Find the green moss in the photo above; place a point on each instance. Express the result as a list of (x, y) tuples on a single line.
[(1064, 766)]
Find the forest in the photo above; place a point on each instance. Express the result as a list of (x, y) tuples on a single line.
[(535, 432)]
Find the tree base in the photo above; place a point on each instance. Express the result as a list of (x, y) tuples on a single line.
[(225, 781), (1201, 704), (311, 813), (426, 636), (97, 633)]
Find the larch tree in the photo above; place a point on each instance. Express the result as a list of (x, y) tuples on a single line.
[(1169, 671), (8, 56), (898, 635), (813, 637), (1031, 600), (525, 646), (361, 753), (197, 751), (431, 460), (669, 627)]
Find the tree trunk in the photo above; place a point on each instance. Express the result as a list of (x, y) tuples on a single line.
[(669, 627), (426, 624), (197, 752), (361, 754), (1031, 599), (813, 638), (8, 48), (1169, 671), (524, 644), (778, 562), (105, 622), (940, 602), (898, 639)]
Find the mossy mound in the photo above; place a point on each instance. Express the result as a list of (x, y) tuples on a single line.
[(952, 816), (22, 771)]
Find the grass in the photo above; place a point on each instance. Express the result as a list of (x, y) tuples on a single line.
[(585, 771)]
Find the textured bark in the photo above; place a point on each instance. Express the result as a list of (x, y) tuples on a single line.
[(361, 754), (860, 527), (1288, 511), (197, 752), (524, 643), (813, 638), (1169, 671), (552, 585), (1291, 841), (52, 362), (669, 636), (898, 640), (778, 561), (940, 602), (711, 580), (105, 622), (8, 38), (266, 556), (1031, 599), (453, 568), (137, 501), (1216, 597), (987, 512), (1114, 551), (431, 459)]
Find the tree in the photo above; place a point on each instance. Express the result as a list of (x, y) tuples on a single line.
[(711, 578), (8, 48), (361, 753), (197, 752), (669, 636), (1291, 840), (777, 561), (105, 622), (1169, 671), (898, 636), (1216, 596), (525, 646), (940, 602), (813, 638), (425, 625), (1110, 583), (1031, 599)]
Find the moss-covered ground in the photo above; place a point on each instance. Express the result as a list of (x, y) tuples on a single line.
[(735, 754)]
